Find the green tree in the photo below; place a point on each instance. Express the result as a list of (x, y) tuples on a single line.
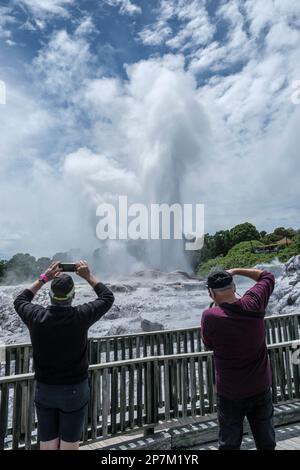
[(282, 232), (3, 264), (244, 232), (21, 267)]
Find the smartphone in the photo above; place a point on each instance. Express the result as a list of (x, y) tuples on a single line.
[(68, 267)]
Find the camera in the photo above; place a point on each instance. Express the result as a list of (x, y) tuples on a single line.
[(68, 267)]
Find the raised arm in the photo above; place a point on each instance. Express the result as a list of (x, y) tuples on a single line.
[(91, 312), (252, 273), (22, 303), (258, 296)]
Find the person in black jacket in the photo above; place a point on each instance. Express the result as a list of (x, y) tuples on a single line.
[(59, 336)]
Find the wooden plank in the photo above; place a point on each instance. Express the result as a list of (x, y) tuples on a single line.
[(29, 414), (115, 349), (210, 386), (107, 347), (114, 399), (174, 394), (184, 386), (185, 342), (201, 386), (279, 327), (130, 347), (280, 372), (152, 349), (192, 341), (105, 401), (123, 349), (193, 390), (160, 375), (288, 373), (149, 395), (123, 398), (4, 390), (131, 395), (139, 393), (155, 390), (17, 409), (26, 360), (138, 347), (295, 441), (145, 346), (178, 342), (274, 375), (94, 405), (167, 389)]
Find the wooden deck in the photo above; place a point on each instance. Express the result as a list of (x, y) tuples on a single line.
[(288, 438)]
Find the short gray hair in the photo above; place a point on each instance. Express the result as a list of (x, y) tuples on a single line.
[(221, 289)]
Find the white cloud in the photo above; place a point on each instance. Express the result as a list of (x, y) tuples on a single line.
[(126, 7), (236, 47), (193, 25), (86, 26), (42, 9), (265, 13), (6, 22), (63, 63)]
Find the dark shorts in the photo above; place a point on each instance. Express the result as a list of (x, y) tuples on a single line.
[(259, 412), (61, 410)]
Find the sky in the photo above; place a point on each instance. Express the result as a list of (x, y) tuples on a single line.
[(156, 100)]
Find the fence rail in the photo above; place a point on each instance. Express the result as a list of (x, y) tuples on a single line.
[(18, 357), (136, 394)]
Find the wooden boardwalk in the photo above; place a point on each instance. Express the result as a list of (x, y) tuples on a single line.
[(288, 438)]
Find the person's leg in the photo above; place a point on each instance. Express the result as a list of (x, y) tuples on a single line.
[(48, 427), (231, 417), (260, 417), (71, 427), (50, 445), (69, 445)]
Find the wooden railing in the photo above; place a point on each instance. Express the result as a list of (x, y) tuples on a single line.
[(18, 357), (136, 394)]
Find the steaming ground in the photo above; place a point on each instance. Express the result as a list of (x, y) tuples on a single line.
[(167, 301)]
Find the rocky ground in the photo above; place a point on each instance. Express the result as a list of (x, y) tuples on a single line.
[(151, 300)]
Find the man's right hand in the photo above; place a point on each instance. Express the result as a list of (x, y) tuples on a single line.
[(83, 270), (251, 273), (53, 271), (231, 271)]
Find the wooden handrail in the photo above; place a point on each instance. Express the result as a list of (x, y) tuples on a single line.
[(143, 360), (153, 333)]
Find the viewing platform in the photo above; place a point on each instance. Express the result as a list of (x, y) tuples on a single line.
[(149, 390)]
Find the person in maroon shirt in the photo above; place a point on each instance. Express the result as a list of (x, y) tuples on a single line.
[(234, 329)]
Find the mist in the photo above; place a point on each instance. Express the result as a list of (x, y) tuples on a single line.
[(146, 137)]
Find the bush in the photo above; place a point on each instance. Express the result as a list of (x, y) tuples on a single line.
[(240, 256)]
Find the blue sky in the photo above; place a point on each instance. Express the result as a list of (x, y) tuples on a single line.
[(109, 97)]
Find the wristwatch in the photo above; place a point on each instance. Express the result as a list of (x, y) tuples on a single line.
[(43, 278)]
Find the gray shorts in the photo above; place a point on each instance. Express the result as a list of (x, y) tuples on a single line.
[(61, 410)]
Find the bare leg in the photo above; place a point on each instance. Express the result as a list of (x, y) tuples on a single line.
[(69, 445), (50, 445)]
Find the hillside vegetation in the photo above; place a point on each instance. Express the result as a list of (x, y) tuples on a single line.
[(241, 254)]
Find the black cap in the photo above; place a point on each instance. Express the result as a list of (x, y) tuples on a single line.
[(218, 279), (62, 287)]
